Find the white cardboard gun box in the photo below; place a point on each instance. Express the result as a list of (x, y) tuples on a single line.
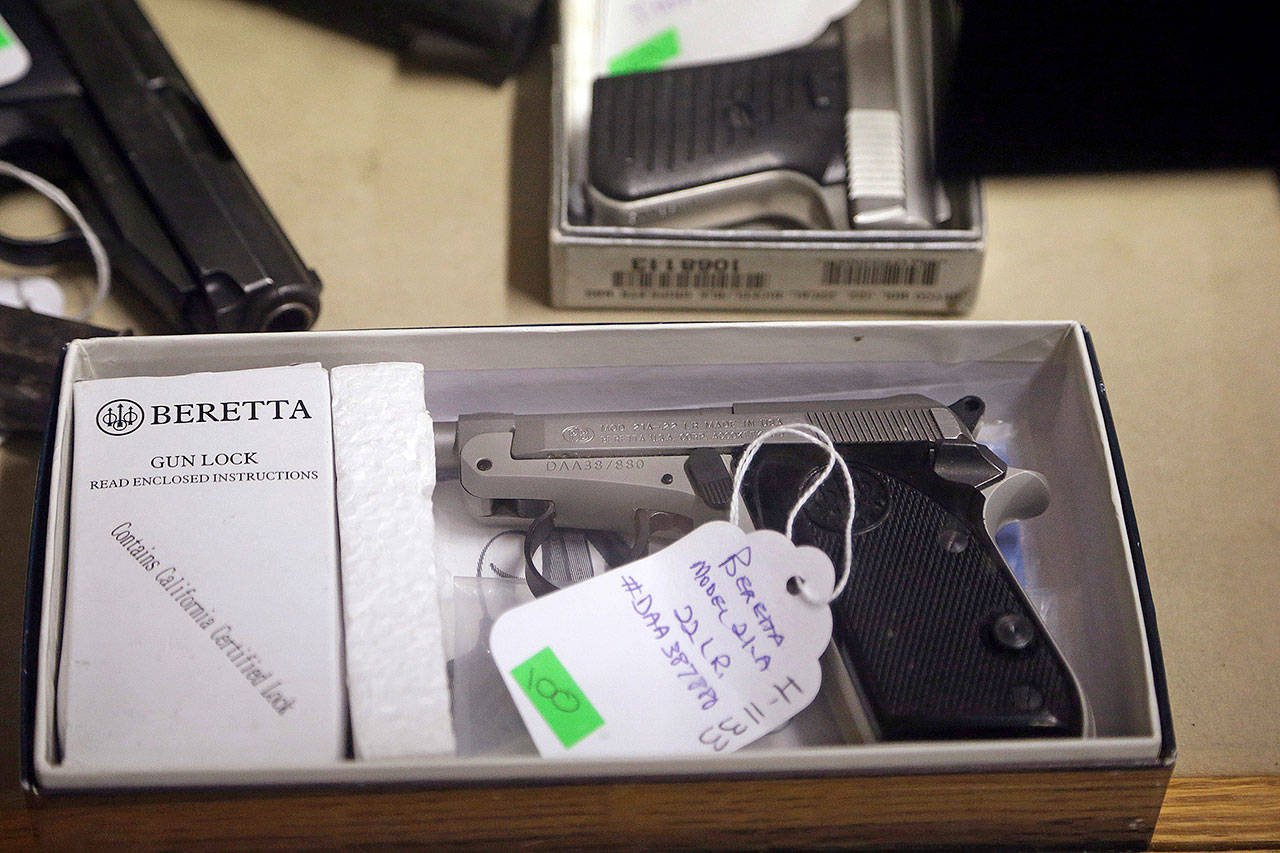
[(1082, 567), (688, 265)]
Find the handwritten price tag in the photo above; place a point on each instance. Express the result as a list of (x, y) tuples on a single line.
[(698, 649)]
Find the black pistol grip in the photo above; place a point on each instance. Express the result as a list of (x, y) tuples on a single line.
[(939, 637), (658, 132)]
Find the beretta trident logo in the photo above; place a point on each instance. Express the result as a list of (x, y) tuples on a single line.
[(120, 417)]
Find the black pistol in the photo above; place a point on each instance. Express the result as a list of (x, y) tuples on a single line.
[(485, 39), (833, 135), (936, 637), (103, 113)]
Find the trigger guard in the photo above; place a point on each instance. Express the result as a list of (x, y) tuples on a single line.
[(47, 250), (44, 249), (1018, 495)]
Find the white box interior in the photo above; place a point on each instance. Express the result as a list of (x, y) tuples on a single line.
[(1036, 379)]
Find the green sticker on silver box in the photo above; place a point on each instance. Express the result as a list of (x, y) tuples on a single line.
[(557, 697), (649, 55)]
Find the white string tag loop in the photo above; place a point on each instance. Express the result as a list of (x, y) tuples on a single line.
[(813, 435)]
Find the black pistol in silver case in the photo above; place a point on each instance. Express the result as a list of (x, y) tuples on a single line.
[(834, 135)]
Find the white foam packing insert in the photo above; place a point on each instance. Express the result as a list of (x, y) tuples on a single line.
[(385, 463)]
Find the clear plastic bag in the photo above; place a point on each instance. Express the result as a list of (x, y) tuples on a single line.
[(485, 718)]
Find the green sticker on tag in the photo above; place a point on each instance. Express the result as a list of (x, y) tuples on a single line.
[(557, 697), (649, 55)]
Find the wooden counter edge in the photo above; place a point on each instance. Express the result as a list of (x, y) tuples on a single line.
[(1199, 813), (1220, 813)]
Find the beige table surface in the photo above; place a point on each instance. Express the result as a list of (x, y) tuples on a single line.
[(421, 200)]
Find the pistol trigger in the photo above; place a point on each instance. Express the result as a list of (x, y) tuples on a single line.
[(709, 477), (566, 553), (566, 557), (542, 529)]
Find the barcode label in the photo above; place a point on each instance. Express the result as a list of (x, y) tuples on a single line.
[(687, 280), (874, 272)]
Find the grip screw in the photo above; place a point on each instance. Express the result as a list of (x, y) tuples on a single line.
[(953, 540), (1013, 632)]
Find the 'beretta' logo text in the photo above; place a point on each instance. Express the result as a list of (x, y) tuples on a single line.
[(230, 410), (119, 417)]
